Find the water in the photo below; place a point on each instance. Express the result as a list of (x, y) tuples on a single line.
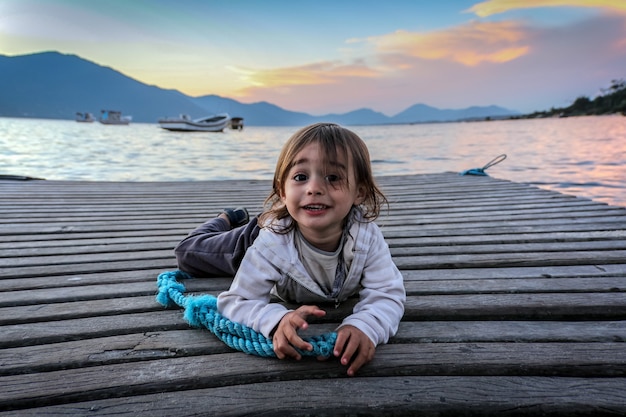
[(584, 156)]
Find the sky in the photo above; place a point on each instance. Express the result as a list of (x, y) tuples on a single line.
[(335, 56)]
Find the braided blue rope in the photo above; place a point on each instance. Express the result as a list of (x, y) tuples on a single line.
[(201, 311)]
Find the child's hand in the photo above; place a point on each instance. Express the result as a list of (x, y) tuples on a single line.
[(351, 340), (286, 334)]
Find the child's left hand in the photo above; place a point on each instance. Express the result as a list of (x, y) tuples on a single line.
[(351, 340)]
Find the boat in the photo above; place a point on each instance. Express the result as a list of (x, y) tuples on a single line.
[(114, 117), (85, 117), (236, 123), (184, 123)]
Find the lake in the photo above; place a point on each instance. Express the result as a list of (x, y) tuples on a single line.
[(583, 156)]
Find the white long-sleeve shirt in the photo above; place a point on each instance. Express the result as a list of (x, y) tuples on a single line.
[(272, 264)]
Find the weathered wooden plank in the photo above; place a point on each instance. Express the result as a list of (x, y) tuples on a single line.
[(550, 271), (515, 286), (547, 236), (510, 259), (71, 280), (511, 331), (427, 396), (85, 258), (552, 306), (129, 266), (51, 245), (80, 309), (109, 350), (91, 327), (544, 248), (103, 291)]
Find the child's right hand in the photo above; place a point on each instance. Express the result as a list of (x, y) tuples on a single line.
[(286, 334)]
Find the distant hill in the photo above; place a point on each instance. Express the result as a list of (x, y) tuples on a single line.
[(255, 114), (424, 113), (52, 85)]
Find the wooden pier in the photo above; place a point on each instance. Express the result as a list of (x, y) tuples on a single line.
[(516, 305)]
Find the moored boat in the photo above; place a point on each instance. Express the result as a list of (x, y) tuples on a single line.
[(114, 117), (184, 123), (236, 123), (85, 117)]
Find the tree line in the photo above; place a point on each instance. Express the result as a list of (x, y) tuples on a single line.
[(611, 100)]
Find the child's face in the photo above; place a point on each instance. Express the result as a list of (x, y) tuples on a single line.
[(319, 200)]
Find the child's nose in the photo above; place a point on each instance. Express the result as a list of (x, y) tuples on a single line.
[(316, 185)]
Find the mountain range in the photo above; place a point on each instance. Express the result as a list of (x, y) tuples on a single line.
[(52, 85)]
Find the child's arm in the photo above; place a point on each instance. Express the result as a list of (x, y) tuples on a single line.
[(375, 318), (247, 301)]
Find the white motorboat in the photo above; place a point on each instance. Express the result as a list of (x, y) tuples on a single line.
[(85, 117), (113, 117), (184, 123)]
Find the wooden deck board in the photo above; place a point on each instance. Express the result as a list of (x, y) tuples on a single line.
[(398, 396), (516, 306)]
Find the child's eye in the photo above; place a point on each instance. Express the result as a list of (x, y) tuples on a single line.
[(300, 177), (333, 178)]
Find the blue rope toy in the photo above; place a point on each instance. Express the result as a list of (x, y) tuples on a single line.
[(201, 311)]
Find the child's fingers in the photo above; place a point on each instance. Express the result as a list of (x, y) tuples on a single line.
[(283, 347), (342, 338), (354, 348), (364, 355), (309, 310)]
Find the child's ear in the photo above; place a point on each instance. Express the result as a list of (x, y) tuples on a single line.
[(361, 193)]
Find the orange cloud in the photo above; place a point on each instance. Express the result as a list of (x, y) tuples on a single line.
[(491, 7), (469, 44), (312, 74)]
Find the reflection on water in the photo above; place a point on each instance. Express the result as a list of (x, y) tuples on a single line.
[(584, 156)]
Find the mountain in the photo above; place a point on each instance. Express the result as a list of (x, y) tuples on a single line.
[(52, 85), (358, 117), (255, 114), (56, 86), (420, 113)]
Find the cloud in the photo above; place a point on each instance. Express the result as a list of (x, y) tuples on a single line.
[(492, 7), (469, 44), (327, 72)]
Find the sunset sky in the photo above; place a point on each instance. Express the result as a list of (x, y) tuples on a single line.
[(336, 56)]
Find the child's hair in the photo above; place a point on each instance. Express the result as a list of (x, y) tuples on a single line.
[(333, 139)]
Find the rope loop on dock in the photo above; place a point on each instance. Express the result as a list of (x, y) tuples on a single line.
[(201, 311), (481, 171)]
